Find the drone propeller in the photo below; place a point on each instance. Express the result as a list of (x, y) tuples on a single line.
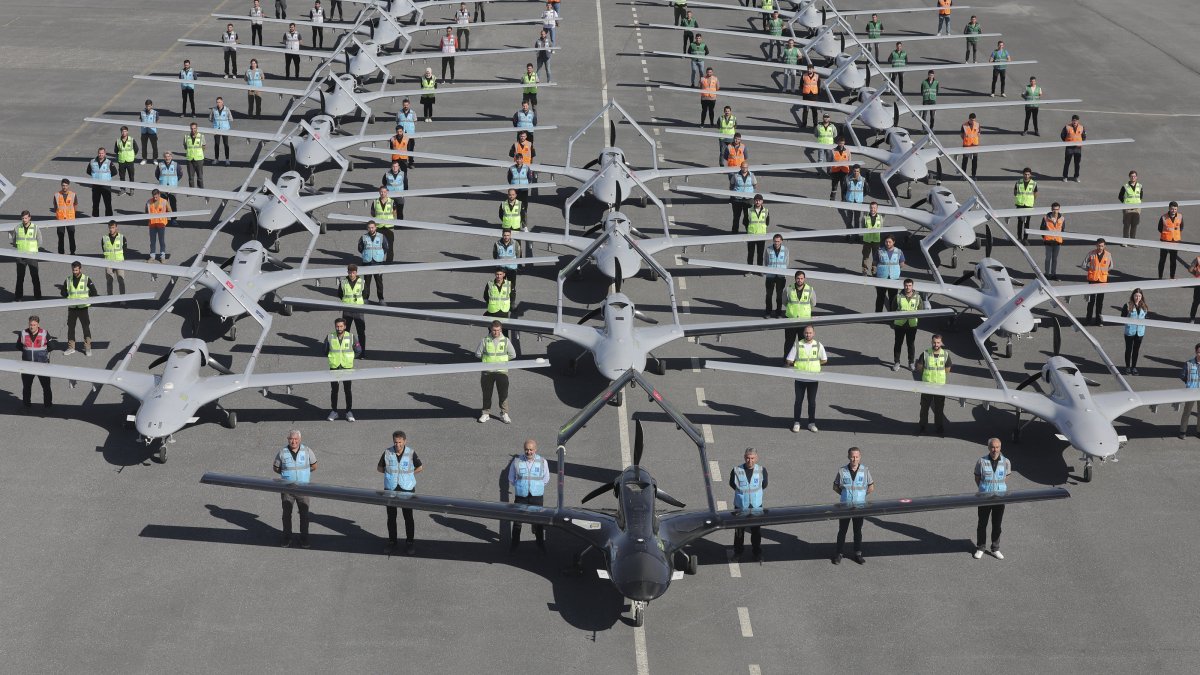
[(868, 80), (1091, 382), (658, 492), (988, 240), (895, 107), (919, 203), (617, 275), (590, 315), (612, 133), (842, 42), (227, 262), (159, 361), (592, 163), (966, 276), (1030, 380), (638, 443), (638, 233), (218, 367), (598, 491), (1056, 339), (620, 196), (878, 141), (594, 229), (645, 318)]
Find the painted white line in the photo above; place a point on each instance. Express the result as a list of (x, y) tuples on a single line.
[(721, 505), (714, 468), (678, 258), (669, 205), (755, 670), (708, 437), (1124, 112), (700, 397), (644, 63), (603, 67), (682, 284), (744, 620), (695, 365), (645, 71), (639, 651), (651, 108), (623, 427), (649, 98), (685, 307), (649, 88), (735, 569)]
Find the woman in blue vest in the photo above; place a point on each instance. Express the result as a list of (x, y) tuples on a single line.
[(990, 473), (295, 463), (400, 465), (748, 481), (1136, 308), (853, 483), (528, 474)]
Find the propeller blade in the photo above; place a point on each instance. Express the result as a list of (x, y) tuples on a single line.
[(637, 233), (620, 196), (226, 262), (612, 133), (638, 444), (1030, 380), (966, 276), (988, 240), (159, 361), (597, 492), (594, 229), (868, 80), (663, 496), (617, 275), (219, 368), (591, 315), (895, 107), (919, 203), (645, 318), (592, 163), (1057, 336), (842, 42), (1091, 382), (878, 141)]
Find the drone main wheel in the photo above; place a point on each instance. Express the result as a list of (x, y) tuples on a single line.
[(286, 310), (692, 565), (1008, 350), (324, 228), (637, 612), (1087, 472), (231, 419), (161, 455)]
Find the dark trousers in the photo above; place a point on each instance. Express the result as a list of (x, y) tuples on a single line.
[(448, 61), (898, 78), (1031, 114), (885, 298), (755, 250), (973, 160), (1163, 255), (739, 540), (803, 389), (336, 6), (125, 170), (189, 95), (280, 9), (539, 532), (480, 12), (790, 335), (27, 390), (1095, 305), (928, 116), (378, 278), (972, 52), (291, 61), (1133, 346), (843, 525), (463, 35), (775, 285), (68, 231), (390, 235), (302, 506), (836, 179), (79, 314), (688, 38), (1072, 155), (359, 325), (680, 13), (218, 141), (903, 334), (318, 37), (708, 109), (996, 512), (256, 34), (101, 194), (333, 395), (427, 109), (806, 109), (1195, 302), (500, 382), (33, 276), (253, 104), (149, 141), (938, 405), (231, 68), (1001, 76), (408, 521), (1022, 225), (195, 172), (741, 214)]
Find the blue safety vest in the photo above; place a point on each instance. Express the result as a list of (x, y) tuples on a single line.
[(1130, 329), (149, 118), (518, 176), (407, 121), (525, 119), (254, 78), (102, 170), (742, 184), (749, 488), (372, 251), (398, 470), (854, 189), (219, 118), (187, 75), (394, 182), (507, 253), (1191, 373), (992, 481), (295, 469), (777, 260), (854, 488), (889, 264), (530, 476), (168, 173)]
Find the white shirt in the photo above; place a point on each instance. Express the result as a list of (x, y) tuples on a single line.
[(791, 355), (291, 42), (462, 17), (549, 18)]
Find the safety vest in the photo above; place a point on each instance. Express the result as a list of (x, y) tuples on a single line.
[(194, 147), (158, 205), (372, 248), (907, 304), (727, 125), (842, 155), (758, 221), (799, 302), (394, 182), (317, 15), (400, 143), (1024, 193), (1098, 266), (749, 492), (530, 80), (230, 40), (113, 247), (929, 91), (791, 56), (295, 469), (530, 476), (888, 266), (341, 351), (854, 488), (808, 356), (27, 238), (992, 480), (809, 83), (149, 117), (352, 293), (898, 59), (64, 206), (698, 50), (774, 26), (1191, 371), (970, 134), (525, 119), (220, 118), (1073, 133), (35, 347), (1133, 194), (870, 222), (777, 259), (935, 366), (291, 41), (102, 170), (168, 173), (1172, 228), (708, 88), (874, 29), (510, 215), (407, 121), (944, 6), (1032, 96), (125, 151), (826, 133), (499, 297), (428, 85), (508, 252), (518, 176), (1055, 224), (254, 77), (398, 470), (385, 209), (743, 183), (1132, 330), (187, 75), (524, 151), (77, 290), (973, 29), (768, 6), (449, 44), (854, 189), (495, 351), (736, 155)]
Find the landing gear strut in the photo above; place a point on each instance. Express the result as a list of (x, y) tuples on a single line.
[(1087, 470), (637, 612)]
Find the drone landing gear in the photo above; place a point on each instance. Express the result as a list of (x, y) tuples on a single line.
[(1087, 470), (688, 564), (637, 612), (656, 365), (231, 420)]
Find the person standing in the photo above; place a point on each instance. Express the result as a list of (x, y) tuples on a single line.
[(79, 286), (525, 118), (774, 29), (429, 85), (748, 481), (898, 59), (149, 117), (101, 168), (27, 238), (316, 16), (742, 182), (709, 86), (449, 47), (1194, 269), (291, 57), (113, 247), (734, 154), (230, 39), (991, 472), (159, 208), (187, 87), (220, 117), (1073, 132), (66, 205), (852, 483), (874, 32), (254, 80), (194, 146), (943, 23), (999, 58), (973, 28), (167, 174), (726, 127), (523, 147), (807, 356), (542, 45), (1170, 230), (400, 159), (1131, 193), (550, 23), (340, 348), (1024, 197), (697, 50), (498, 294), (1057, 224), (1032, 94), (679, 8), (406, 119), (826, 134), (521, 176), (528, 474), (929, 93), (126, 150), (1190, 376), (905, 330), (462, 26), (776, 259), (336, 6), (810, 88), (400, 465), (280, 9), (689, 23), (256, 23), (970, 139), (295, 463), (495, 348), (34, 343), (383, 211), (791, 57), (854, 190), (934, 366), (530, 91), (801, 300), (1135, 308), (839, 174), (351, 289), (888, 262), (871, 222), (373, 248), (511, 213), (505, 249), (1097, 264), (759, 219), (481, 10)]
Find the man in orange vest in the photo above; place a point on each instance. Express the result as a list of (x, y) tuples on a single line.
[(66, 203), (709, 86), (1097, 264), (944, 16), (1054, 222), (970, 139), (1073, 132), (1170, 229), (735, 153), (810, 86), (523, 147), (400, 146), (158, 226), (837, 174)]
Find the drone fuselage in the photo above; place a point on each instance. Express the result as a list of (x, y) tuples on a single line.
[(307, 151), (638, 563), (172, 401), (1079, 418), (270, 210)]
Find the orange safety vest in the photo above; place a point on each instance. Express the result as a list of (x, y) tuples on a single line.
[(1098, 267), (64, 207), (1055, 224), (1172, 228), (970, 135), (400, 144), (737, 155), (808, 83), (840, 156), (945, 7), (159, 205), (524, 151), (708, 88), (1074, 134)]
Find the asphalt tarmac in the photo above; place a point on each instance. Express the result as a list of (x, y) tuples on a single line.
[(113, 563)]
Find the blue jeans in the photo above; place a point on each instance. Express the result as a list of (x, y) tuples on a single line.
[(544, 62), (553, 33), (943, 22), (158, 235), (789, 81), (697, 70)]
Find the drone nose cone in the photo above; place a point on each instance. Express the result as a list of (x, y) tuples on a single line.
[(224, 306), (606, 192), (307, 155), (642, 590), (641, 575), (360, 66)]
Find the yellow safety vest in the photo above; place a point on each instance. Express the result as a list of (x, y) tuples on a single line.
[(808, 356), (27, 238), (125, 152), (798, 304), (341, 351), (758, 221), (935, 367), (77, 291), (727, 127), (352, 294), (510, 215), (872, 223), (383, 210), (114, 249), (499, 298), (1025, 197), (826, 133), (194, 146), (1133, 193), (495, 351), (907, 304)]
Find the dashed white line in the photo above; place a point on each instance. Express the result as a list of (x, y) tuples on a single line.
[(649, 98), (700, 397), (639, 651), (744, 620), (603, 67), (695, 364), (643, 63), (682, 284), (714, 468), (651, 108), (755, 670), (707, 431), (735, 569)]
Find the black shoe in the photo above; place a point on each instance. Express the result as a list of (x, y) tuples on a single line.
[(1182, 435), (304, 543), (942, 433), (766, 315), (758, 556), (836, 559), (920, 431), (285, 541), (858, 558), (390, 547), (410, 548)]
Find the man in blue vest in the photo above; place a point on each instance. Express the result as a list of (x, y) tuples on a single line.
[(528, 474), (776, 258), (373, 247), (748, 481), (888, 262), (220, 117), (507, 250), (854, 188), (400, 465), (1191, 380), (101, 168), (852, 483), (295, 463), (743, 182), (990, 473)]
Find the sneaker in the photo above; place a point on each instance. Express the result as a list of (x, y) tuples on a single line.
[(485, 417), (349, 416), (410, 548), (505, 418), (795, 427), (977, 554), (285, 541), (69, 351), (1182, 434), (304, 543), (332, 415), (1132, 371), (87, 351), (144, 162), (1024, 132), (895, 366), (766, 315), (997, 554), (812, 426), (912, 366), (226, 162), (858, 557), (1064, 179), (836, 559), (992, 95), (391, 546)]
